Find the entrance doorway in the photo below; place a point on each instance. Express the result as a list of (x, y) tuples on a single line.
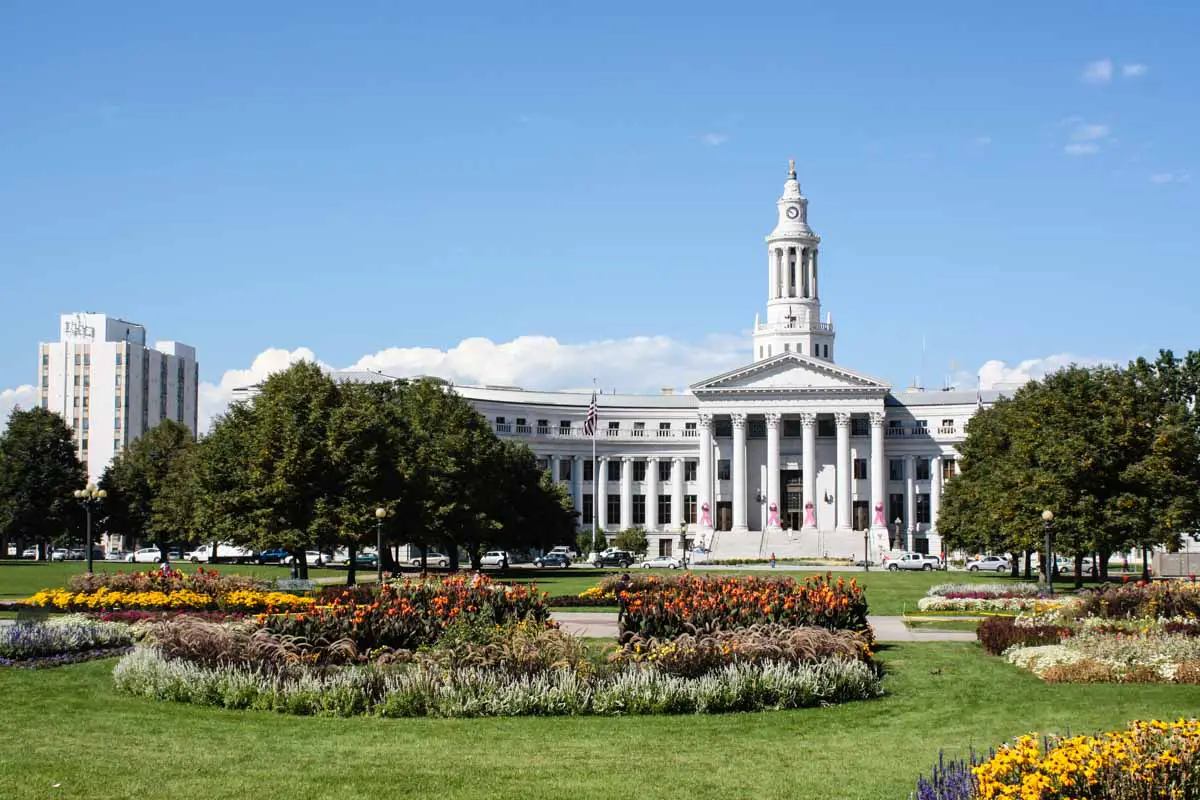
[(724, 518), (793, 498), (861, 511)]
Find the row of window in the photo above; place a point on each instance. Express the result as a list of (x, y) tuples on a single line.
[(818, 350), (722, 428), (638, 509), (896, 471)]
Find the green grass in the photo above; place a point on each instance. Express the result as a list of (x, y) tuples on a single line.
[(19, 579), (941, 696)]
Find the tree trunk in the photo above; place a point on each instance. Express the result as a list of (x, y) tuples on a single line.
[(1028, 564), (1100, 564), (1146, 563), (351, 555), (1079, 571), (1015, 565), (388, 559), (452, 554), (300, 559), (213, 557)]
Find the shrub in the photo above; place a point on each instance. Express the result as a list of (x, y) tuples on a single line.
[(1153, 600), (414, 690), (202, 581), (28, 642), (665, 608), (691, 656), (997, 634), (1188, 672), (1085, 671)]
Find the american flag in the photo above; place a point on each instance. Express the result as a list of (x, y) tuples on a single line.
[(589, 424)]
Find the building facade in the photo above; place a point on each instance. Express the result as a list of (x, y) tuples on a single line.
[(790, 454), (111, 388)]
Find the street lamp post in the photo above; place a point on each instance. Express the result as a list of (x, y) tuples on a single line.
[(683, 544), (1048, 536), (89, 497), (866, 549), (380, 513), (899, 535)]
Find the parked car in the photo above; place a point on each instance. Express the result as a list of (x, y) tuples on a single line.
[(228, 552), (432, 560), (312, 558), (662, 562), (990, 563), (552, 559), (147, 555), (915, 561), (275, 555), (566, 550), (495, 558), (613, 558)]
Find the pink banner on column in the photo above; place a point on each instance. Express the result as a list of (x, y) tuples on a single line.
[(810, 519), (879, 521), (705, 516), (773, 516)]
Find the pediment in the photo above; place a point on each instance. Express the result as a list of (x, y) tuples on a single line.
[(791, 373)]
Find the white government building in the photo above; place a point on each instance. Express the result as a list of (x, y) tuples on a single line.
[(111, 388), (790, 454)]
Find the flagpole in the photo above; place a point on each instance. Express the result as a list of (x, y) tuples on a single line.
[(595, 471)]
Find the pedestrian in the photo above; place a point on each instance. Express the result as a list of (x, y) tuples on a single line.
[(476, 579), (772, 561)]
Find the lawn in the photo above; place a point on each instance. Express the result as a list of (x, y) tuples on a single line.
[(66, 727), (19, 579)]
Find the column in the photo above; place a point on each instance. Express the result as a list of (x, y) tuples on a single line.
[(773, 469), (910, 500), (651, 494), (704, 471), (676, 493), (809, 424), (935, 504), (600, 495), (739, 472), (815, 293), (842, 420), (878, 475), (626, 493), (577, 490), (552, 462), (777, 254)]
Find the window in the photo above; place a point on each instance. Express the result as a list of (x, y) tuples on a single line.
[(76, 380), (792, 428), (119, 356), (664, 470), (614, 509), (564, 427), (520, 423), (756, 429), (45, 381), (614, 469), (116, 445), (83, 444), (723, 427), (614, 426), (895, 508), (588, 512), (826, 348), (689, 429), (46, 359), (639, 509), (816, 349), (564, 469), (689, 470), (87, 380), (922, 423), (639, 470), (860, 426), (947, 423), (922, 469), (664, 509), (588, 470), (664, 429), (78, 359), (689, 509), (760, 351), (895, 423), (896, 469), (85, 423), (923, 509), (860, 469), (787, 348), (543, 427), (85, 401), (825, 426), (723, 469), (87, 359), (947, 468), (639, 429)]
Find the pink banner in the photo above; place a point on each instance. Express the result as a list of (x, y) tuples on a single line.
[(810, 519), (879, 520), (705, 516), (773, 516)]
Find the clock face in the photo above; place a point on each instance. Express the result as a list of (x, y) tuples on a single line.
[(793, 212)]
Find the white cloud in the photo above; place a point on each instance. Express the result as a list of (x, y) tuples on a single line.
[(983, 141), (22, 396), (1170, 177), (996, 374), (1086, 138), (1134, 70), (215, 398), (714, 139), (1099, 72)]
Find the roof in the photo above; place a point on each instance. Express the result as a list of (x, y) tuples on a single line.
[(951, 398)]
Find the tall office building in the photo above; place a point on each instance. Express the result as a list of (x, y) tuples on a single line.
[(111, 388)]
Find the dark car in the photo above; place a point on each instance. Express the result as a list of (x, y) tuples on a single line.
[(616, 558), (552, 560), (273, 556), (364, 559)]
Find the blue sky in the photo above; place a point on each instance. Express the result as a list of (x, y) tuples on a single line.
[(1008, 183)]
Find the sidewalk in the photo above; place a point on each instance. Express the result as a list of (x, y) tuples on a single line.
[(887, 629)]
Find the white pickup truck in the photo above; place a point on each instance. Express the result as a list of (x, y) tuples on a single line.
[(225, 552), (914, 561)]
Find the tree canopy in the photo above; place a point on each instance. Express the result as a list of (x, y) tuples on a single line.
[(39, 472)]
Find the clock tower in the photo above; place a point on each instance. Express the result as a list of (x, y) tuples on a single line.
[(793, 299)]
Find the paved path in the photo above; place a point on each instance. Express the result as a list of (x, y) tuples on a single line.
[(887, 629)]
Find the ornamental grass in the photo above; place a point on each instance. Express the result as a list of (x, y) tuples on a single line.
[(1148, 760), (668, 607)]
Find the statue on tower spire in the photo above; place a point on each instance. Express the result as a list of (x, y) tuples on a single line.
[(791, 168)]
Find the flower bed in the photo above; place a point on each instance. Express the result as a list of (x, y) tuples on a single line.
[(1141, 600), (984, 605), (979, 591), (61, 641), (103, 599), (416, 691), (665, 608), (1092, 656), (998, 634)]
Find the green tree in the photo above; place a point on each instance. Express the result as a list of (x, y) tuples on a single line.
[(152, 482), (39, 473), (632, 539)]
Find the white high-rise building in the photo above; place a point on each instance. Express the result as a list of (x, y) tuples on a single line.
[(111, 388)]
